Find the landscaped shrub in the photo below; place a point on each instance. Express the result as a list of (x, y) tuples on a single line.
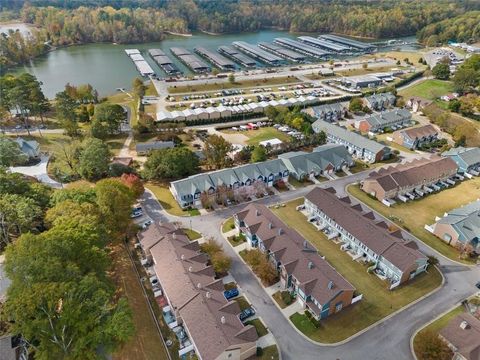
[(286, 297), (310, 317)]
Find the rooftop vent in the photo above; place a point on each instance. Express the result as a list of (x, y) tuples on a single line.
[(330, 284), (190, 269), (464, 325), (199, 286), (223, 320), (182, 257), (208, 294), (270, 225), (310, 265), (280, 231), (257, 213)]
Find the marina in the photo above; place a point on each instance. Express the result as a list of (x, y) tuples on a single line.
[(191, 60), (302, 47), (256, 52), (325, 45), (164, 61), (237, 56), (143, 67), (280, 51), (215, 58), (354, 44)]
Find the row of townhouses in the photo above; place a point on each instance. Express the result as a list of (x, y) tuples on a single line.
[(415, 176), (358, 146), (192, 299), (380, 102), (460, 226), (414, 138), (318, 287), (394, 119), (367, 237), (323, 160), (330, 112), (467, 159)]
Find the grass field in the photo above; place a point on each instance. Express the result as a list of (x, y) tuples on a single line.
[(228, 225), (438, 324), (261, 134), (383, 138), (269, 353), (236, 85), (192, 234), (413, 216), (165, 197), (377, 301), (146, 343), (428, 89), (400, 55), (257, 323)]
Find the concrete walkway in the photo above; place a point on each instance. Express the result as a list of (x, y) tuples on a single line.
[(39, 172)]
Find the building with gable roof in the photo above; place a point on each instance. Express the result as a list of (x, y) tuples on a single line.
[(381, 101), (394, 119), (462, 334), (414, 138), (320, 289), (366, 236), (194, 301), (467, 159), (330, 112), (460, 226)]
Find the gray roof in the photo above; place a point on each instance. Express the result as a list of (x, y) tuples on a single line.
[(348, 136), (28, 147), (302, 163), (380, 98), (470, 156), (388, 117), (328, 108), (465, 219), (154, 145)]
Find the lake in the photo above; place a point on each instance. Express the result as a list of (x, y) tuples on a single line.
[(107, 67)]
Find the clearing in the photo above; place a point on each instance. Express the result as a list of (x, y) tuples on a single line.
[(377, 301), (253, 137), (428, 89), (425, 211)]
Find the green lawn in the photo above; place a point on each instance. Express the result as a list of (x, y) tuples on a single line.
[(383, 138), (298, 184), (167, 201), (304, 324), (244, 304), (438, 324), (228, 225), (269, 353), (192, 234), (115, 143), (261, 329), (425, 210), (146, 343), (377, 301), (428, 89), (359, 166), (261, 134), (236, 240)]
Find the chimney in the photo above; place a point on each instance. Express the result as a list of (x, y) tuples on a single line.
[(190, 269), (182, 257), (280, 231), (270, 225), (464, 325), (223, 320), (310, 265), (208, 294)]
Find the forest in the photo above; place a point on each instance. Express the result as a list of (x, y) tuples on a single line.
[(59, 23), (463, 28)]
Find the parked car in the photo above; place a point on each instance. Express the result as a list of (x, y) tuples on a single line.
[(136, 214), (478, 285), (146, 224), (229, 294), (245, 314)]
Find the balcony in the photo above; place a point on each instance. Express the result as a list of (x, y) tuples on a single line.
[(169, 317)]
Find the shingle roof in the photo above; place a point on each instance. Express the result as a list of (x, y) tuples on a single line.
[(348, 136), (465, 219), (365, 229), (419, 132), (295, 253), (387, 117), (470, 156), (467, 341), (413, 173), (195, 295), (380, 98)]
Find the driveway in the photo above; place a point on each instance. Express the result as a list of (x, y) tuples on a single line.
[(388, 340), (39, 172)]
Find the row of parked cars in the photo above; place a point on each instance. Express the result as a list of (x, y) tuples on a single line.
[(246, 313)]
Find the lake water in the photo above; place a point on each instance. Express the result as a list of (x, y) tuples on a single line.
[(107, 67)]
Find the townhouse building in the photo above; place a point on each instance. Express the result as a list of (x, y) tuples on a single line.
[(460, 226), (392, 119), (391, 256), (380, 102), (462, 335), (318, 287), (330, 112), (467, 159), (415, 176), (360, 147), (414, 138), (192, 299)]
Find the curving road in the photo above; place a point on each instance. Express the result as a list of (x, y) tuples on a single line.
[(388, 340)]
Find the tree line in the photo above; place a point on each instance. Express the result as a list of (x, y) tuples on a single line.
[(60, 23)]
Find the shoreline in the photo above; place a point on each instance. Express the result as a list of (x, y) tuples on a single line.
[(177, 34)]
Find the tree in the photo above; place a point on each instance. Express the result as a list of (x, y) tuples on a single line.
[(66, 107), (170, 164), (10, 153), (114, 200), (465, 78), (231, 78), (110, 117), (221, 262), (430, 347), (441, 71), (259, 154), (356, 105), (138, 88), (134, 183), (94, 159), (216, 150), (68, 155)]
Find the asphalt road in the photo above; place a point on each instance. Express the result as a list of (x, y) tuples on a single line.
[(388, 340)]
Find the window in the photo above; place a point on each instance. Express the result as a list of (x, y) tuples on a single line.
[(338, 306)]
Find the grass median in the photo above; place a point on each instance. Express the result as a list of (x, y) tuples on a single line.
[(413, 215), (377, 303)]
